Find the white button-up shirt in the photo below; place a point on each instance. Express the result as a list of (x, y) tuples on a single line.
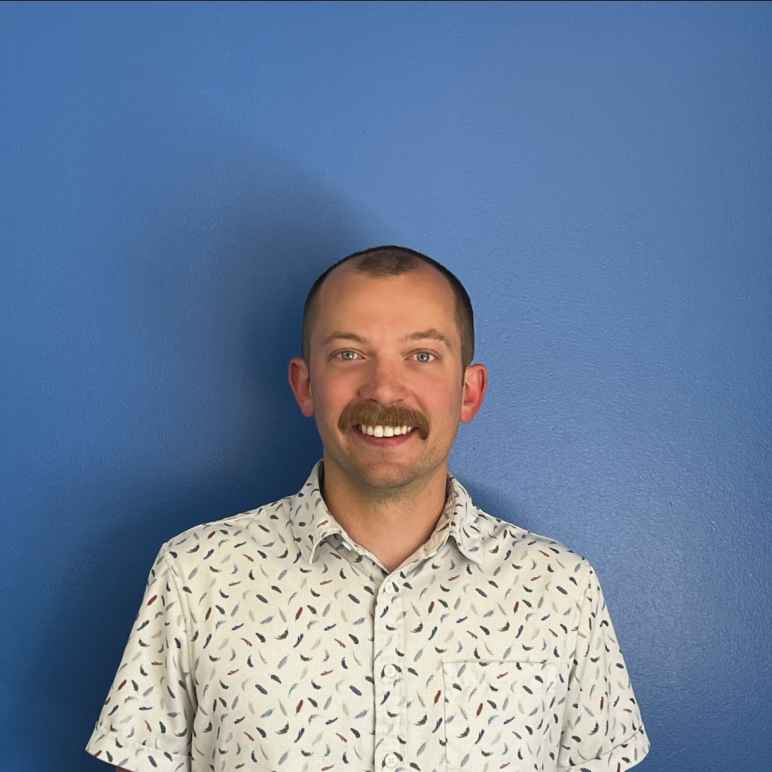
[(272, 641)]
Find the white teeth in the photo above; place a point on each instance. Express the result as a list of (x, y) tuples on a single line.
[(384, 431)]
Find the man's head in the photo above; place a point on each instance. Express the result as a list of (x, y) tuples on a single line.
[(387, 333)]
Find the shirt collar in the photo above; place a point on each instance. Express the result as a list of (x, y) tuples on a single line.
[(312, 522)]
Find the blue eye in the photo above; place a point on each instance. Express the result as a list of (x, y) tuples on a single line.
[(426, 354)]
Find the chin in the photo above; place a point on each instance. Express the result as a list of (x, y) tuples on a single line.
[(388, 475), (393, 476)]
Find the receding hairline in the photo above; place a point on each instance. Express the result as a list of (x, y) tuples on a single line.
[(359, 267)]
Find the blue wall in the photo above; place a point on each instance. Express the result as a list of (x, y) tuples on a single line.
[(172, 178)]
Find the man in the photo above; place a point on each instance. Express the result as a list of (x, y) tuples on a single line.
[(376, 620)]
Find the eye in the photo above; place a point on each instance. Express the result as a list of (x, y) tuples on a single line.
[(425, 357), (344, 355)]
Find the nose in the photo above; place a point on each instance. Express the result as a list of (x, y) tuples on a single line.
[(383, 382)]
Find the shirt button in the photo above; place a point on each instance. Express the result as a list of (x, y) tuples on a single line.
[(390, 671), (390, 760)]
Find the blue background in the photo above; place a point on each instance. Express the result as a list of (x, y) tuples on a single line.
[(172, 179)]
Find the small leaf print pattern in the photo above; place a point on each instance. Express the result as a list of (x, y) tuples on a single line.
[(496, 710), (270, 641)]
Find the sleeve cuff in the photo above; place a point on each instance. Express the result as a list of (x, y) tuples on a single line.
[(624, 756), (113, 749)]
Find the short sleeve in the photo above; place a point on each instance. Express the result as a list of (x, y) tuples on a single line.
[(145, 722), (602, 729)]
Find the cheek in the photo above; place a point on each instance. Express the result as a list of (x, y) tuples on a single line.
[(329, 401), (446, 406)]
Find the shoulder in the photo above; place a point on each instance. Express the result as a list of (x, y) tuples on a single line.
[(257, 532), (517, 549)]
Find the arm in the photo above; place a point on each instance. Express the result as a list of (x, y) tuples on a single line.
[(154, 665)]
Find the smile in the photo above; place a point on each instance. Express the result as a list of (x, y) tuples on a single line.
[(384, 436), (384, 431)]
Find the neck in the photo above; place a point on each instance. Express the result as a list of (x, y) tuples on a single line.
[(390, 523)]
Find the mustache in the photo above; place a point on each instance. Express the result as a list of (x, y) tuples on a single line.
[(372, 413)]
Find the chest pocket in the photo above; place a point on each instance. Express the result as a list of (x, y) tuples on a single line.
[(497, 711)]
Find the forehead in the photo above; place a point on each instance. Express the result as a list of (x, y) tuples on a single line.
[(422, 296)]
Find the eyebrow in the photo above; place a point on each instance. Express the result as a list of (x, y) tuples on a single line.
[(430, 334)]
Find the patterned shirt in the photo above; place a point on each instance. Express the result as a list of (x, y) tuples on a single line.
[(271, 641)]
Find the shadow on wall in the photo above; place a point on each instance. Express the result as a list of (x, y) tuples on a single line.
[(212, 291), (495, 502)]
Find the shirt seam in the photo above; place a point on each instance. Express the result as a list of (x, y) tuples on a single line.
[(582, 599), (166, 559)]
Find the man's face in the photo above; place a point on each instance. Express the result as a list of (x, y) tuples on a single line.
[(386, 351)]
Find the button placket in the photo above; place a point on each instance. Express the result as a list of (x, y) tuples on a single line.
[(390, 715)]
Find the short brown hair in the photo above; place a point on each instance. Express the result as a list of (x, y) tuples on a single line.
[(391, 260)]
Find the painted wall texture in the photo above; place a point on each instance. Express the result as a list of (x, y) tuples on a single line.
[(173, 177)]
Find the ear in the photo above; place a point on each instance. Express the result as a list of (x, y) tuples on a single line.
[(300, 383), (475, 384)]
